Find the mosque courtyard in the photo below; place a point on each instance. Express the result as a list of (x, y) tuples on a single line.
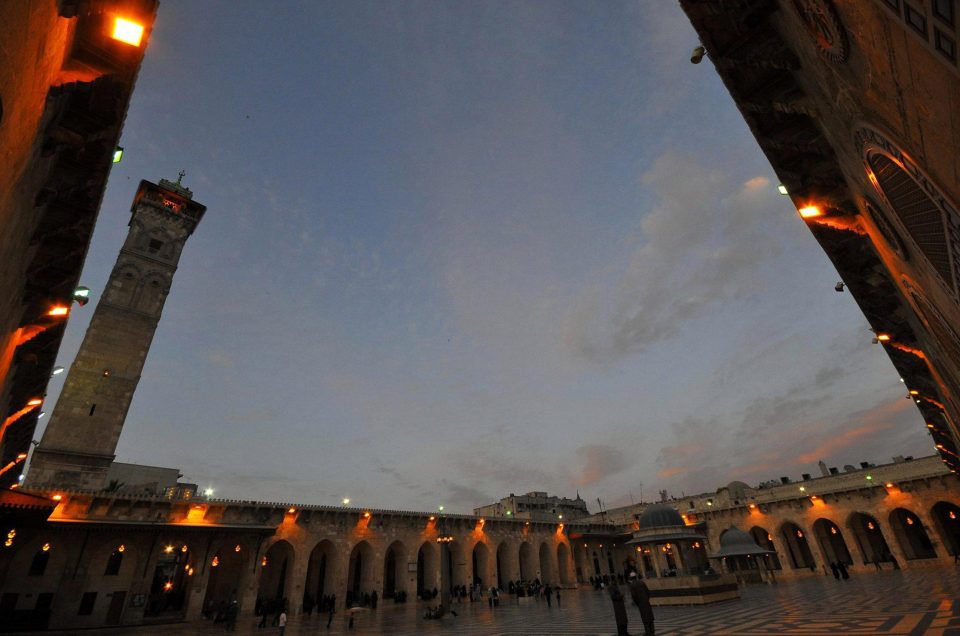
[(924, 601)]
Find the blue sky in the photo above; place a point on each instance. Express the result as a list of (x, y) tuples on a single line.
[(455, 250)]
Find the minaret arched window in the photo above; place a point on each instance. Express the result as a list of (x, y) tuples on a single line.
[(39, 564), (113, 563)]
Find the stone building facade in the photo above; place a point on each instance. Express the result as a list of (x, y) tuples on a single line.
[(119, 559), (65, 84), (853, 102)]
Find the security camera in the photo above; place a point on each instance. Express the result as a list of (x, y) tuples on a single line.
[(839, 287), (697, 56)]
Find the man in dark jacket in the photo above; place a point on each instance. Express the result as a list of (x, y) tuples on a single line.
[(641, 598), (619, 610)]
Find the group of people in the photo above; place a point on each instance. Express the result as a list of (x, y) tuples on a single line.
[(839, 570), (640, 595)]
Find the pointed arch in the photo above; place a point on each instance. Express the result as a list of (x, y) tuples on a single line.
[(563, 565), (798, 550), (360, 572), (832, 544), (946, 519), (428, 569), (527, 568), (276, 570), (319, 581), (911, 535), (480, 565), (548, 570), (764, 539), (869, 538)]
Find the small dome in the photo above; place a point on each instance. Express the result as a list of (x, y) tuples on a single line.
[(736, 537), (660, 516)]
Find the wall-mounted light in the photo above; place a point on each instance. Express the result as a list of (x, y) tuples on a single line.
[(809, 212), (127, 31), (58, 311), (118, 154)]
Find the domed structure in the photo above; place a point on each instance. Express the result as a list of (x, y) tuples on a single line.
[(736, 542), (660, 516)]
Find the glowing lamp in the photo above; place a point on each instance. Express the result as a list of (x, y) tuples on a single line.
[(117, 154), (953, 515), (346, 501), (909, 521), (58, 311), (366, 515), (813, 497), (929, 425), (168, 549), (885, 337), (809, 212), (168, 586), (183, 549), (870, 525), (189, 571), (782, 189), (291, 510), (753, 506), (121, 548), (21, 457), (559, 516), (440, 508), (58, 370), (799, 534), (35, 402), (263, 561), (13, 533), (215, 562), (127, 32), (833, 530), (57, 497), (432, 518), (889, 484), (869, 477), (914, 392), (769, 537), (46, 547), (803, 489), (236, 548)]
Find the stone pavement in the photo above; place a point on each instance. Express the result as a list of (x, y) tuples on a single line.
[(907, 602)]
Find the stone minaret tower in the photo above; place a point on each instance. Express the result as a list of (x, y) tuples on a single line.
[(78, 444)]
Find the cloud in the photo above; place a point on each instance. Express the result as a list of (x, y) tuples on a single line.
[(596, 462), (704, 241), (775, 434)]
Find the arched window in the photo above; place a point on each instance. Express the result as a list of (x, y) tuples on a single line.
[(113, 563), (917, 212), (39, 564)]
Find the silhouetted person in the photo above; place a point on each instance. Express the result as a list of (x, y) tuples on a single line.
[(373, 600), (330, 617), (842, 568), (640, 594), (548, 593), (558, 597), (619, 610), (835, 570)]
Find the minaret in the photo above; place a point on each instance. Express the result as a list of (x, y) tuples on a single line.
[(79, 443)]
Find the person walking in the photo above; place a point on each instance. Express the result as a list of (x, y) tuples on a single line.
[(842, 568), (548, 594), (835, 570), (641, 598), (282, 621), (558, 598), (619, 610), (332, 610)]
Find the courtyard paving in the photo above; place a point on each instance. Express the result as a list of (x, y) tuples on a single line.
[(907, 602)]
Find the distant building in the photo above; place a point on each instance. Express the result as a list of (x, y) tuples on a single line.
[(535, 506), (151, 481)]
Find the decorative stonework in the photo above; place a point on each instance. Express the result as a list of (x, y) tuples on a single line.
[(823, 24), (918, 208)]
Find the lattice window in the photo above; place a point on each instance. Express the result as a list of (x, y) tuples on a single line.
[(920, 216)]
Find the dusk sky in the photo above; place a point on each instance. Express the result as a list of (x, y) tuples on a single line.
[(455, 250)]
